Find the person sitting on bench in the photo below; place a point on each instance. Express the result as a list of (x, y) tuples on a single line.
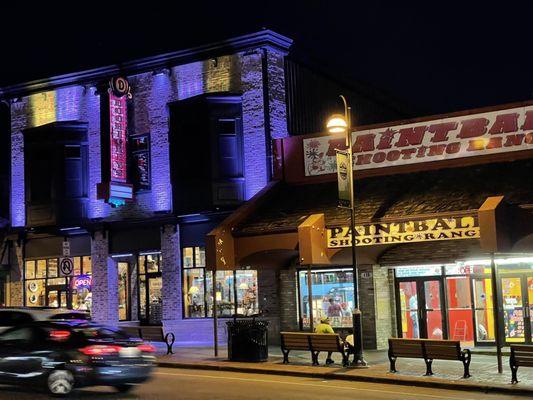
[(325, 327)]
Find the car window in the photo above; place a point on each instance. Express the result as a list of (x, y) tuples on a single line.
[(105, 334), (14, 318), (18, 335), (70, 316)]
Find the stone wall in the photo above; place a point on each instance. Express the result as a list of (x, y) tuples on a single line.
[(238, 73), (171, 273), (105, 281), (288, 302)]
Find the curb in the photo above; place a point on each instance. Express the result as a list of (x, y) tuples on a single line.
[(356, 378)]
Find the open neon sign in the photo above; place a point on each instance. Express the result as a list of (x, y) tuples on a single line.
[(82, 282)]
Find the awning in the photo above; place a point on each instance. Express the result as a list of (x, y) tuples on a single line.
[(296, 217)]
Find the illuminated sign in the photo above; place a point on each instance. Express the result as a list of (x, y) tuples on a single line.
[(117, 191), (118, 130), (465, 136), (405, 232), (82, 282)]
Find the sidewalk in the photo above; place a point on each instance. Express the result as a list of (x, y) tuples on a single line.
[(447, 374)]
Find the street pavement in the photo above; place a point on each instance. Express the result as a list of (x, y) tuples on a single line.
[(172, 383)]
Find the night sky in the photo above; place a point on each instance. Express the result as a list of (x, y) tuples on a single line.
[(434, 57)]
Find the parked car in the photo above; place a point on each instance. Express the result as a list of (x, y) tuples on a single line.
[(10, 317), (63, 355)]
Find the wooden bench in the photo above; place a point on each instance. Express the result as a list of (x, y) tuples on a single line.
[(313, 342), (521, 356), (151, 334), (429, 350)]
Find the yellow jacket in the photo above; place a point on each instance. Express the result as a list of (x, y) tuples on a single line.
[(324, 328)]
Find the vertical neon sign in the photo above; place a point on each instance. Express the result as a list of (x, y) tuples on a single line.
[(118, 129), (116, 190)]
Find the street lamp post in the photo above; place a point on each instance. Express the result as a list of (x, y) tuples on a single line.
[(337, 124)]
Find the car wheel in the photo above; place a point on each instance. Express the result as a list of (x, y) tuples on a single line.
[(60, 382), (124, 388)]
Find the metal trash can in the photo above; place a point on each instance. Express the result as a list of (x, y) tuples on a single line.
[(247, 340)]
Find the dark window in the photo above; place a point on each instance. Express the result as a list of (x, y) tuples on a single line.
[(18, 335), (14, 318), (40, 179), (229, 149)]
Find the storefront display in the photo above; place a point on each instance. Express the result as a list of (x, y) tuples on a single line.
[(150, 289), (44, 288), (468, 302), (236, 291), (123, 291), (332, 295)]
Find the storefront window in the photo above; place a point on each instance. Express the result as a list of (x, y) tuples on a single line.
[(247, 302), (44, 287), (123, 278), (236, 291), (52, 268), (332, 295), (225, 292)]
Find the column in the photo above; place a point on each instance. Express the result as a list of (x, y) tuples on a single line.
[(287, 300), (171, 274), (367, 305), (16, 284), (105, 281), (267, 290), (384, 302)]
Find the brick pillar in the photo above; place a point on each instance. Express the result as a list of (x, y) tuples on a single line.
[(171, 273), (384, 312), (367, 305), (288, 310), (267, 281), (105, 281), (134, 288), (16, 284)]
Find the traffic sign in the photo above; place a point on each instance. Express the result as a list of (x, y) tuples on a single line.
[(66, 266), (66, 248)]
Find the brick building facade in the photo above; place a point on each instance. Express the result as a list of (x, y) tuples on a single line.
[(428, 232), (200, 129)]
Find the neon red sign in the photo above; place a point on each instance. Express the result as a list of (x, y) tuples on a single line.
[(118, 129), (82, 282)]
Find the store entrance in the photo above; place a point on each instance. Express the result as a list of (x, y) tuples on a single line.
[(517, 303), (151, 304), (421, 303), (57, 296)]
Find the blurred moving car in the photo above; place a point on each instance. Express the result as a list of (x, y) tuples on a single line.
[(10, 317), (63, 355)]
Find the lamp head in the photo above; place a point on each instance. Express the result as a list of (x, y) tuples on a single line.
[(337, 124)]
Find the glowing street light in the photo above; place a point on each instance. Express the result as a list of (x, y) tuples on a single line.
[(339, 123)]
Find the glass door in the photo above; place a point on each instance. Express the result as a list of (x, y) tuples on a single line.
[(514, 312), (410, 315), (529, 309), (155, 299), (420, 304), (517, 302), (432, 311), (483, 310)]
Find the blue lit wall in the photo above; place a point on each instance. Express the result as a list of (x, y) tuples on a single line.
[(238, 73)]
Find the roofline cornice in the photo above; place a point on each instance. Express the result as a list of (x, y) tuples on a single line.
[(264, 38)]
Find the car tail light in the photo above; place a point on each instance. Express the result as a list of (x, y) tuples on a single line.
[(59, 335), (100, 350), (146, 348)]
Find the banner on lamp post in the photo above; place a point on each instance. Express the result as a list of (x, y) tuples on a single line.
[(344, 178)]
